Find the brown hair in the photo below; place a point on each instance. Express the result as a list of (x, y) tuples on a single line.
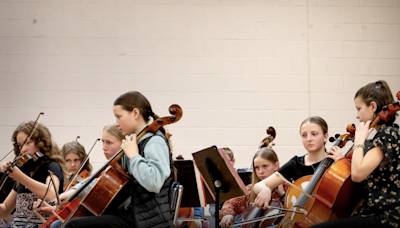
[(317, 120), (229, 153), (134, 99), (378, 92), (76, 148), (268, 154), (43, 141), (112, 129)]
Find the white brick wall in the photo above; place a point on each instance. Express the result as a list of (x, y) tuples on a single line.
[(235, 66)]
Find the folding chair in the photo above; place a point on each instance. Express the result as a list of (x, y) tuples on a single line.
[(176, 197)]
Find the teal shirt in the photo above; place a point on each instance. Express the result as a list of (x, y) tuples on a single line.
[(152, 170)]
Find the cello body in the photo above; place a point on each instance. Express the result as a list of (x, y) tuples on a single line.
[(103, 193), (255, 212), (334, 197)]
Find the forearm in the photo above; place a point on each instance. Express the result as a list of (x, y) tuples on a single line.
[(363, 165), (37, 187), (259, 187), (356, 164), (3, 211), (9, 204)]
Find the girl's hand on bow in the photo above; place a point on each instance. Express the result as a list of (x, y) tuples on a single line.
[(130, 146), (226, 220), (263, 198), (45, 208), (4, 165)]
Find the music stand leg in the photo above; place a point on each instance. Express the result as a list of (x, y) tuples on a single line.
[(216, 206)]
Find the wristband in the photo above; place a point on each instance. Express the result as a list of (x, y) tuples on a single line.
[(358, 145)]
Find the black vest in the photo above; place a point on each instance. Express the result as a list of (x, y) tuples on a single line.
[(152, 209)]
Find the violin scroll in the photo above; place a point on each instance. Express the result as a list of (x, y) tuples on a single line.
[(266, 142)]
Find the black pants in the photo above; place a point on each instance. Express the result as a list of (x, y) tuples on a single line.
[(353, 222), (112, 221)]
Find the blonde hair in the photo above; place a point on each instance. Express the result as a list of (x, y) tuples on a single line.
[(112, 129), (267, 154), (229, 153)]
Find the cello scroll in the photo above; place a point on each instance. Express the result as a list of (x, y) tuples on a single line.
[(267, 142)]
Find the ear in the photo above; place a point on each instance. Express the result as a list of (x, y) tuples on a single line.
[(373, 106), (135, 113), (276, 166), (326, 136), (233, 160)]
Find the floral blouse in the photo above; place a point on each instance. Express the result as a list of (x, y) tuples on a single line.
[(236, 206), (381, 187)]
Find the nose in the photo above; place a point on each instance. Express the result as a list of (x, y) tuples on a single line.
[(309, 137), (358, 115), (104, 147), (24, 148)]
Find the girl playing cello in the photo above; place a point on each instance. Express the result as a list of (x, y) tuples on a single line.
[(378, 169), (314, 134), (31, 186), (148, 161), (112, 140), (265, 163)]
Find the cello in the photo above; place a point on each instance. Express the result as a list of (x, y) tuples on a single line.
[(308, 209), (111, 181), (254, 217), (334, 195)]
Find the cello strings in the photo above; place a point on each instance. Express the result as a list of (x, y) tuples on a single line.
[(256, 220)]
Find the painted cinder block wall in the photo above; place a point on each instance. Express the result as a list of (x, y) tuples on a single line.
[(234, 66)]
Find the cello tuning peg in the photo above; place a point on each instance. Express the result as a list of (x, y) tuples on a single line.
[(337, 136), (385, 108), (331, 139)]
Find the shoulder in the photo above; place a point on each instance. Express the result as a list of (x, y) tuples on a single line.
[(387, 131), (52, 165), (295, 160), (154, 139), (385, 135)]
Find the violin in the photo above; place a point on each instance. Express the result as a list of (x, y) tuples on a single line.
[(26, 162), (75, 179), (110, 182), (80, 177)]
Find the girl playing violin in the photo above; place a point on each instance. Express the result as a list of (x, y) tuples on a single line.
[(314, 134), (150, 164), (265, 163), (32, 185), (377, 170), (74, 153)]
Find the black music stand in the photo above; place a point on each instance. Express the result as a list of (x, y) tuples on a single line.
[(193, 194), (219, 176)]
